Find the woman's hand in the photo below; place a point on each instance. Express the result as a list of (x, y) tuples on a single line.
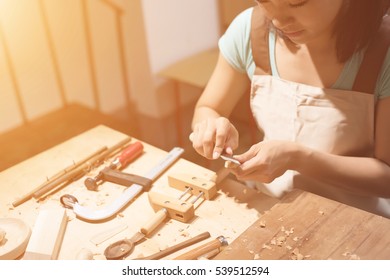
[(214, 136), (265, 161)]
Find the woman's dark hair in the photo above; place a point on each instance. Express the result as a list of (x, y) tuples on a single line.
[(357, 24)]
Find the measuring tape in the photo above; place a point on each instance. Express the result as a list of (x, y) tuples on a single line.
[(69, 201)]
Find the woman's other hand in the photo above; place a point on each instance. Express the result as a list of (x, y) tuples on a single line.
[(265, 161)]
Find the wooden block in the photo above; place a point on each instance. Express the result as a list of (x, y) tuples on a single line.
[(196, 184), (177, 209), (48, 232)]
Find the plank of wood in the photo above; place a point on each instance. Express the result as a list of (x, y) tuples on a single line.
[(307, 226), (48, 232)]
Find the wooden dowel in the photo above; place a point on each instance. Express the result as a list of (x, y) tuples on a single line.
[(55, 177), (84, 168), (70, 172), (177, 247)]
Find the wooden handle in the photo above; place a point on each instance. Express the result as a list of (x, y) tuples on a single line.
[(81, 169), (203, 249), (177, 247), (158, 218)]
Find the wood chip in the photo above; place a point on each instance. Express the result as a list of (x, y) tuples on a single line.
[(2, 236), (265, 246), (262, 224), (296, 255), (280, 240)]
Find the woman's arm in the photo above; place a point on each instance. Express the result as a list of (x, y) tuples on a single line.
[(212, 132)]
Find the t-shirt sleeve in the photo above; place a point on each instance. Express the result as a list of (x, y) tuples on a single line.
[(234, 45), (383, 88)]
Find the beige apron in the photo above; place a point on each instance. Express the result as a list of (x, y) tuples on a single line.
[(335, 121)]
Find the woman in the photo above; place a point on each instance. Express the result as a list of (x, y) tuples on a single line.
[(319, 74)]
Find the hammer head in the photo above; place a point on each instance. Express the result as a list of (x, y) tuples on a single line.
[(91, 184)]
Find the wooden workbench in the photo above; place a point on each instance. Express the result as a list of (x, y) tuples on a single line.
[(300, 226), (306, 226), (232, 211)]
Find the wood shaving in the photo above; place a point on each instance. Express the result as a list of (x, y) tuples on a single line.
[(265, 246), (280, 240), (262, 224), (256, 257), (296, 255), (2, 236), (321, 212), (351, 256)]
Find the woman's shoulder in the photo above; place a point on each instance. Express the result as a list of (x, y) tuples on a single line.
[(241, 23), (234, 45)]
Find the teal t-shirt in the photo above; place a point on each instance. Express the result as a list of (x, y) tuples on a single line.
[(235, 46)]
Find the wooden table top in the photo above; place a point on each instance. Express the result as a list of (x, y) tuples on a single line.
[(233, 209), (301, 225), (306, 226)]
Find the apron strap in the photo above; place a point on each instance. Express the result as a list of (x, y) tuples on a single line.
[(259, 41), (367, 76)]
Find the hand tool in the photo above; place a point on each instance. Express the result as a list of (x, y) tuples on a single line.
[(177, 247), (80, 170), (166, 206), (110, 173), (58, 178), (231, 162), (219, 243), (82, 212)]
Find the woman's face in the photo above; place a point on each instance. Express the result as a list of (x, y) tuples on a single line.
[(303, 20)]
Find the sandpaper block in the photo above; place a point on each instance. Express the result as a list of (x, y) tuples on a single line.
[(47, 234)]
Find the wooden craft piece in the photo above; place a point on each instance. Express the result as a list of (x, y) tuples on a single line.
[(14, 243), (176, 209), (47, 235), (197, 185)]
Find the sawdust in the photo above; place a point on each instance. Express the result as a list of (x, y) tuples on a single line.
[(281, 240), (351, 256)]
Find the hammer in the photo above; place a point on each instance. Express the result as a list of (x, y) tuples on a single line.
[(112, 174)]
